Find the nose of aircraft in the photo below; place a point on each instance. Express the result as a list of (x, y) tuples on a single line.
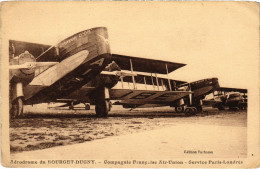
[(215, 82)]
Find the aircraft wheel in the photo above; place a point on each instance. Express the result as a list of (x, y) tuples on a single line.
[(194, 111), (71, 107), (199, 108), (17, 108), (179, 109), (110, 105), (102, 108), (221, 107), (188, 112), (87, 107)]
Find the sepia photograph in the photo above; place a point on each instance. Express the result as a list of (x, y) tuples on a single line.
[(130, 84)]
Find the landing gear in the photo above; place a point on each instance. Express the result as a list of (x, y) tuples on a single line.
[(110, 105), (194, 111), (199, 108), (190, 109), (87, 106), (179, 109), (17, 101), (71, 107), (17, 108), (221, 107), (102, 108), (188, 112), (103, 104)]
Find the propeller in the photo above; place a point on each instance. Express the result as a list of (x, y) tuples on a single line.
[(31, 65)]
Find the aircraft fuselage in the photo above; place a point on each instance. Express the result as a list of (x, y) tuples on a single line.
[(94, 41), (200, 89)]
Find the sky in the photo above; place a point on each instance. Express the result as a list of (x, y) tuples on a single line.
[(214, 39)]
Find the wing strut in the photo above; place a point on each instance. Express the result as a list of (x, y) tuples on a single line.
[(152, 79), (122, 82), (162, 84), (145, 83), (168, 78), (133, 78), (157, 81), (128, 85)]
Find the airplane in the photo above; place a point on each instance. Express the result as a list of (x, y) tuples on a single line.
[(200, 89), (80, 58), (78, 61), (190, 104), (234, 98)]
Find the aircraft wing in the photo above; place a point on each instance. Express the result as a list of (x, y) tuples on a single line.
[(145, 65), (146, 96), (54, 73), (229, 89), (210, 102), (129, 96), (18, 47)]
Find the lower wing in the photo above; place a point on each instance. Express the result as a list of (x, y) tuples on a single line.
[(146, 96)]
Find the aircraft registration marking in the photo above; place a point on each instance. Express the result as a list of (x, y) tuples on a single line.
[(98, 62), (126, 94), (143, 95), (165, 96)]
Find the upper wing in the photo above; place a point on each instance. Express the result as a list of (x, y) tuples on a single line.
[(145, 65), (146, 96), (18, 47)]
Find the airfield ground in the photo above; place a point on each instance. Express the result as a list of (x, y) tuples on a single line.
[(43, 128)]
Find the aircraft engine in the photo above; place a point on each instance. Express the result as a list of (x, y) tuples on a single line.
[(107, 81), (22, 71), (23, 75)]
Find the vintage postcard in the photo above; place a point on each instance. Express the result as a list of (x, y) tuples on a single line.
[(130, 84)]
